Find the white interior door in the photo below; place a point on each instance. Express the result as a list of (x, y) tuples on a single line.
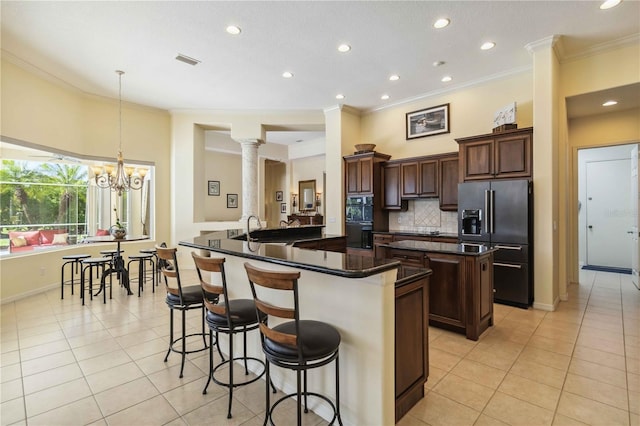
[(608, 187), (635, 219)]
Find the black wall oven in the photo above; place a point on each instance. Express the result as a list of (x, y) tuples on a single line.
[(359, 222)]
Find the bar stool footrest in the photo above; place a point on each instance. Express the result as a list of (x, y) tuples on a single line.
[(303, 394), (240, 358), (192, 351)]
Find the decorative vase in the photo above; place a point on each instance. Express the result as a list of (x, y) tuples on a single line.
[(117, 232)]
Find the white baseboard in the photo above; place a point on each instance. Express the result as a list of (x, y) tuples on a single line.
[(29, 293), (546, 306)]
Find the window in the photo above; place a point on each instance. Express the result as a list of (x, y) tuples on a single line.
[(52, 200)]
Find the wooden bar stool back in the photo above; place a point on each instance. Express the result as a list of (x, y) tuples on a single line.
[(227, 316), (180, 298), (296, 344)]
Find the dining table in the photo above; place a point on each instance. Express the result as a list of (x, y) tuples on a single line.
[(117, 265)]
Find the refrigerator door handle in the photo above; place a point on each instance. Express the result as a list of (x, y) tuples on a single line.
[(487, 211), (492, 196)]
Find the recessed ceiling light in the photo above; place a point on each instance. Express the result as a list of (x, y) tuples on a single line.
[(441, 23), (384, 97), (438, 63), (446, 79), (339, 96), (394, 77), (233, 30), (488, 45), (610, 103), (287, 74), (344, 48), (608, 4)]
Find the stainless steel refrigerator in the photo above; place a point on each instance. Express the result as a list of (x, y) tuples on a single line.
[(499, 214)]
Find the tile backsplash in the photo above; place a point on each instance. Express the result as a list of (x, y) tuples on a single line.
[(424, 216)]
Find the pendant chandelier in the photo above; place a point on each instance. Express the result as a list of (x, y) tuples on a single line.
[(120, 178)]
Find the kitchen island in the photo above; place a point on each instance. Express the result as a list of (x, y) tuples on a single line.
[(358, 296), (461, 287)]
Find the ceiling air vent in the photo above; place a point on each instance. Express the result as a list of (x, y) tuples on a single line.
[(187, 60)]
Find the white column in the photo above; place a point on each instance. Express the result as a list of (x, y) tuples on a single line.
[(249, 177)]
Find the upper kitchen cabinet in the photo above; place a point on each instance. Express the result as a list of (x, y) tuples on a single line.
[(501, 155), (361, 171), (391, 195), (449, 183), (420, 178)]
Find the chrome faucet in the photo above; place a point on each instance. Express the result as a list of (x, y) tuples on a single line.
[(249, 225)]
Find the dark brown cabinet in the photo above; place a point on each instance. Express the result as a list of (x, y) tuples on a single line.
[(361, 171), (460, 290), (506, 154), (391, 195), (449, 183), (420, 179), (411, 338)]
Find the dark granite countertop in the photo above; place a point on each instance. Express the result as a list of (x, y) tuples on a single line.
[(283, 253), (419, 234), (460, 249)]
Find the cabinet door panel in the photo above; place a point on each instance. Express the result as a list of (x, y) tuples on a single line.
[(391, 195), (447, 294), (429, 178), (513, 156), (409, 180), (352, 176), (366, 175), (449, 184), (478, 160)]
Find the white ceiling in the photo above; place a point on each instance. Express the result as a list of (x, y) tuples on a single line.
[(83, 43)]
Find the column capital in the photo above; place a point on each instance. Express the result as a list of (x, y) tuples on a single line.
[(249, 141)]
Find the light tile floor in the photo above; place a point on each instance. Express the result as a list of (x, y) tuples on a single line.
[(67, 364)]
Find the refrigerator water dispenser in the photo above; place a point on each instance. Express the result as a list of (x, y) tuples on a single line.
[(471, 222)]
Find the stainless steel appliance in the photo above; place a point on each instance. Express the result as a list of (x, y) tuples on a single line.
[(359, 222), (499, 213)]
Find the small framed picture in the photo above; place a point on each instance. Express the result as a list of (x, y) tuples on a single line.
[(279, 196), (428, 122), (214, 187), (214, 243), (232, 233), (232, 201), (283, 207)]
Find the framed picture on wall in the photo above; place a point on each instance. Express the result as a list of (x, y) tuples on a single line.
[(279, 196), (232, 201), (214, 187), (283, 207), (428, 122)]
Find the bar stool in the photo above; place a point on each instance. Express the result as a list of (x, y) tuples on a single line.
[(97, 263), (142, 260), (180, 298), (155, 256), (297, 345), (73, 260), (228, 317)]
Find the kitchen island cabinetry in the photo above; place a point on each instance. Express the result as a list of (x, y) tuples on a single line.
[(380, 239), (503, 155), (461, 286)]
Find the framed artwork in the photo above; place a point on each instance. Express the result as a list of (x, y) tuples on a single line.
[(214, 243), (232, 233), (232, 201), (428, 122), (214, 187), (279, 196), (283, 207)]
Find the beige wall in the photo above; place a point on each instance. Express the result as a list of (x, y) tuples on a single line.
[(309, 168), (226, 169), (39, 111), (471, 113)]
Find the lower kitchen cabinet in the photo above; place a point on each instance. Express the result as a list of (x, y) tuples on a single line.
[(460, 290)]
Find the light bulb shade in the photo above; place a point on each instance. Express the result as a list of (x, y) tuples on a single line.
[(129, 171), (109, 169), (97, 170), (142, 172)]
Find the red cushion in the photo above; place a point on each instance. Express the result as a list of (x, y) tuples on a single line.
[(32, 237), (47, 235), (102, 232)]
